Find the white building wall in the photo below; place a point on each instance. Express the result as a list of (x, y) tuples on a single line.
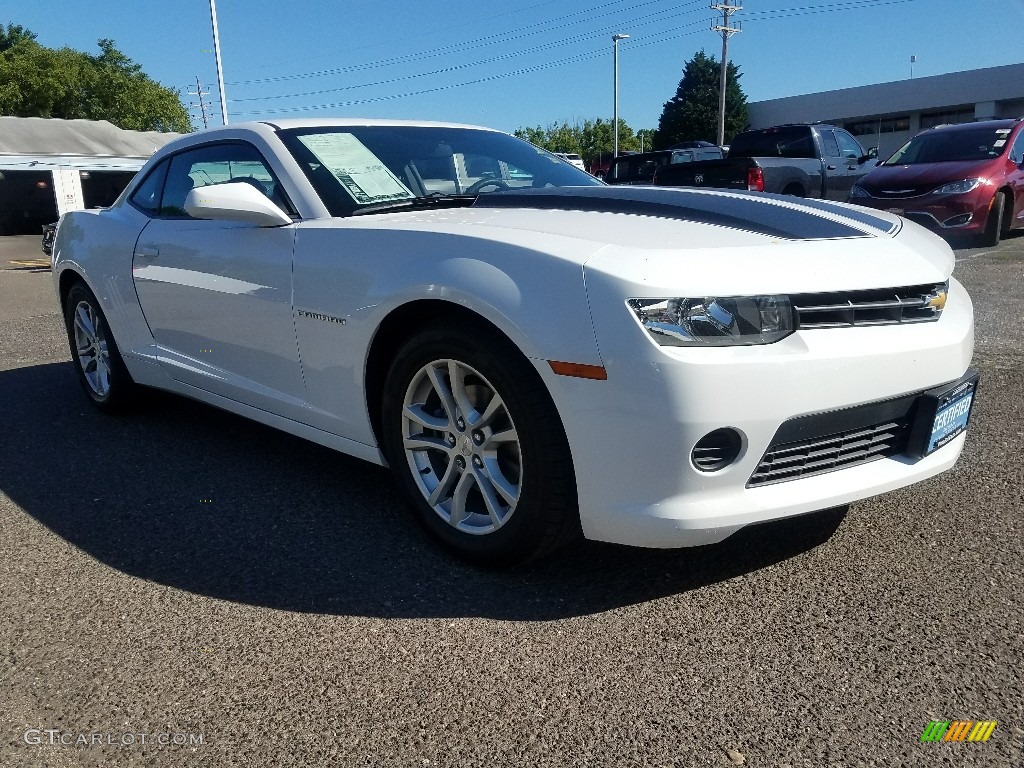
[(994, 92)]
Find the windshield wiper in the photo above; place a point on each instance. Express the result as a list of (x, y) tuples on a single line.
[(431, 201)]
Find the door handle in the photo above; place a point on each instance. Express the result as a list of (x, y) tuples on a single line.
[(147, 250), (830, 167)]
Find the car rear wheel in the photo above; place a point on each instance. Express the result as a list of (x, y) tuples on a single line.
[(94, 353), (478, 447), (995, 226)]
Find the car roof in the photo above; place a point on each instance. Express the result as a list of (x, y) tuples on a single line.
[(340, 122), (952, 127)]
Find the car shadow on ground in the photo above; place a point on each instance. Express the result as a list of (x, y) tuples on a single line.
[(191, 497)]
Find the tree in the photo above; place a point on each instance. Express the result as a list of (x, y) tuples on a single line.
[(692, 114), (36, 81), (14, 34), (593, 140)]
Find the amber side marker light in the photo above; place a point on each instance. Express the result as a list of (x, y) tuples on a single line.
[(579, 370)]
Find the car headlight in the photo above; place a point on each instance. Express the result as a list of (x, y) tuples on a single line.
[(715, 321), (958, 187), (858, 191)]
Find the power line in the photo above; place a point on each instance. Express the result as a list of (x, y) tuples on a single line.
[(450, 86), (394, 41), (444, 70), (500, 37), (765, 15)]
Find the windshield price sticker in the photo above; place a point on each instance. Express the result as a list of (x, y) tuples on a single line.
[(356, 168)]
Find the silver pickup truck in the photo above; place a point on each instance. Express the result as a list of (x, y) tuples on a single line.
[(806, 160)]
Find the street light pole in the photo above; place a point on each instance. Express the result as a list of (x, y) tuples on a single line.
[(220, 70), (615, 117)]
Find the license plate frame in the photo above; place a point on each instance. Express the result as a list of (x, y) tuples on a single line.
[(942, 414)]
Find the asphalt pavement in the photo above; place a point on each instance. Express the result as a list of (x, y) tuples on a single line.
[(183, 587)]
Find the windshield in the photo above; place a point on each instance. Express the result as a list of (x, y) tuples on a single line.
[(949, 146), (353, 167)]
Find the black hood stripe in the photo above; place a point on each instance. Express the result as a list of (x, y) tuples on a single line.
[(884, 226), (748, 213)]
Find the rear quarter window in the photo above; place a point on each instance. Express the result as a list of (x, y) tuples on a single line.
[(795, 142)]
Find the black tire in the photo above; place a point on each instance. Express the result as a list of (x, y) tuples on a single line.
[(995, 226), (94, 353), (537, 463)]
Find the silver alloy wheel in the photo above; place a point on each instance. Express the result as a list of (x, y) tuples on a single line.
[(91, 348), (462, 446)]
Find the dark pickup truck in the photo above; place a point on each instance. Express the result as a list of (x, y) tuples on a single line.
[(804, 160), (641, 168)]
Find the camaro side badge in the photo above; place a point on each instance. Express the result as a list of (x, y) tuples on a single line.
[(699, 178), (319, 316)]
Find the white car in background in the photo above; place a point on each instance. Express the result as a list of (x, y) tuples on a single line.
[(531, 351), (572, 158)]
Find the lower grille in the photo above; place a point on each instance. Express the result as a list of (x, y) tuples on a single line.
[(826, 442), (789, 461)]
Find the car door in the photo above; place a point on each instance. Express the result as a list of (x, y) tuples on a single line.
[(1015, 176), (836, 187), (217, 294), (851, 152)]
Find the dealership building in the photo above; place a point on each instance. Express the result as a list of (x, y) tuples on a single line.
[(888, 114), (49, 166)]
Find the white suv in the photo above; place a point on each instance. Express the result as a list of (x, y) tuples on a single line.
[(573, 158)]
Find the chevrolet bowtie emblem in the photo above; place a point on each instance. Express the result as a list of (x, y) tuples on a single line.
[(936, 300)]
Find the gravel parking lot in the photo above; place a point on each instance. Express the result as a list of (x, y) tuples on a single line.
[(184, 587)]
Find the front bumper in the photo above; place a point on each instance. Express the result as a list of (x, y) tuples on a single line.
[(965, 214), (632, 435)]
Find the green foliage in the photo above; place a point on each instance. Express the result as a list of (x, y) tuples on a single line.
[(14, 34), (36, 81), (592, 140), (692, 114)]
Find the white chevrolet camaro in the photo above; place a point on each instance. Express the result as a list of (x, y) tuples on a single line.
[(530, 351)]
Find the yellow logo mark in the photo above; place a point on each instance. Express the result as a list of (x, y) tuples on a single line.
[(938, 301)]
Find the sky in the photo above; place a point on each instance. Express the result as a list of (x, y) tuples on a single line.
[(507, 64)]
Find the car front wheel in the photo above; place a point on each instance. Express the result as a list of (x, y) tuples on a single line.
[(94, 353), (995, 226), (478, 447)]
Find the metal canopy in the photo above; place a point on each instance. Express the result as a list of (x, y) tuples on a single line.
[(52, 137)]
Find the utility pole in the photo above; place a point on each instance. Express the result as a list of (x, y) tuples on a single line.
[(726, 10), (615, 113), (220, 69), (202, 104)]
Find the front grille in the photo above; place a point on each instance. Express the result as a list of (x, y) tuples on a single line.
[(824, 442), (884, 306), (900, 194)]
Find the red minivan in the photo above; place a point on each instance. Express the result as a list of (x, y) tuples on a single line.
[(956, 179)]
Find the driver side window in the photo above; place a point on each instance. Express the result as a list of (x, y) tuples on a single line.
[(1017, 150), (217, 164)]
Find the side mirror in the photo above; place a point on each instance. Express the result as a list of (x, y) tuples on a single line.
[(234, 201)]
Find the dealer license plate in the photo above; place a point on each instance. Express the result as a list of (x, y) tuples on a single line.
[(942, 414)]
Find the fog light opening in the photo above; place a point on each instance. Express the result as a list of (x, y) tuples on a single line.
[(958, 221), (717, 450)]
